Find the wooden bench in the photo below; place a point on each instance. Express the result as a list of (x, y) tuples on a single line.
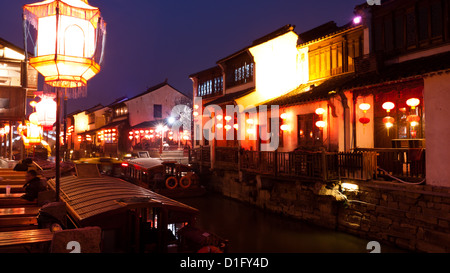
[(11, 240), (19, 212), (14, 189), (12, 182), (14, 200)]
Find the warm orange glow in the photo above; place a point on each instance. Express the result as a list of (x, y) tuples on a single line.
[(413, 103), (236, 126), (364, 107), (321, 124), (228, 118), (219, 117), (389, 121), (46, 112), (66, 42), (250, 121), (227, 127), (33, 119), (388, 106), (285, 127), (219, 125), (195, 114), (33, 103), (284, 116), (320, 111)]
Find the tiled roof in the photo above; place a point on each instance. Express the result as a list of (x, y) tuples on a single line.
[(230, 97), (319, 92), (400, 71)]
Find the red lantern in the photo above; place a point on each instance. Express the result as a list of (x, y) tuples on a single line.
[(364, 120), (413, 118), (389, 121)]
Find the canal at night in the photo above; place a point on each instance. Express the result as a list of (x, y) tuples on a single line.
[(252, 230)]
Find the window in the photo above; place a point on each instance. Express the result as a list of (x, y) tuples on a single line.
[(410, 29), (401, 129), (209, 87), (92, 118), (244, 73), (388, 33), (399, 31), (423, 23), (308, 135), (157, 111), (436, 20), (121, 111)]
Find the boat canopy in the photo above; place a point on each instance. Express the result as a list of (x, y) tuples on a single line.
[(88, 199), (146, 163)]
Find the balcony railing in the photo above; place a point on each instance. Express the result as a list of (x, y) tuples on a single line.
[(362, 164), (406, 163)]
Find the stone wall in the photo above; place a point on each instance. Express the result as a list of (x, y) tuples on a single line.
[(411, 217)]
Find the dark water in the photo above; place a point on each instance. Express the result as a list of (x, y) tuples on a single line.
[(252, 230)]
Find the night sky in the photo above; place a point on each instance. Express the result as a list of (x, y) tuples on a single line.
[(149, 41)]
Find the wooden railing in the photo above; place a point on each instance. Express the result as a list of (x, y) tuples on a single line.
[(403, 162), (227, 157), (361, 164), (201, 156)]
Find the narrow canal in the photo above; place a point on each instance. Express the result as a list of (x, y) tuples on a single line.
[(252, 230)]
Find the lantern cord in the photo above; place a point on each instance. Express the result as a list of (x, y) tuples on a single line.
[(399, 180)]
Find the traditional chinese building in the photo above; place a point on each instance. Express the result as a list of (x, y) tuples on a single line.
[(18, 81), (358, 87), (127, 124)]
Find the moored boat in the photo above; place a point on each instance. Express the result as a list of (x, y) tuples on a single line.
[(132, 219), (168, 178)]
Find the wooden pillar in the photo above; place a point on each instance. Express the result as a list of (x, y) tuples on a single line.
[(162, 229), (10, 140)]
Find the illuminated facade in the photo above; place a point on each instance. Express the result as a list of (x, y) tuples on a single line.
[(377, 84), (105, 130)]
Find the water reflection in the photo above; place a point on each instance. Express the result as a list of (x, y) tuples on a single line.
[(251, 230)]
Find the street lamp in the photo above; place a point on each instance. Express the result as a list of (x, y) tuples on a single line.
[(68, 49)]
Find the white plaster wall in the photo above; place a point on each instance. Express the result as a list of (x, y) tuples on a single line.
[(364, 133), (437, 130), (140, 109)]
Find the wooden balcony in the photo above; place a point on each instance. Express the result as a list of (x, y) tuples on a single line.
[(361, 164)]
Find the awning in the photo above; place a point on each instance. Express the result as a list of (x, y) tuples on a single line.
[(149, 124), (322, 91), (230, 97)]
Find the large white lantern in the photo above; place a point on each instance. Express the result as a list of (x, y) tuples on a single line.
[(69, 42), (46, 112)]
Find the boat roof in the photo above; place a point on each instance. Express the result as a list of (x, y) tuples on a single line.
[(146, 163), (98, 160), (91, 198)]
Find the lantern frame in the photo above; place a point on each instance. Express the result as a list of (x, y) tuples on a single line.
[(69, 43)]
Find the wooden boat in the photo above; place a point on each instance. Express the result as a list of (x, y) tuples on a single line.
[(132, 219), (106, 165), (168, 178)]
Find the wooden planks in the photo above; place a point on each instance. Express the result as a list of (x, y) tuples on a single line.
[(15, 200), (19, 212), (14, 189), (25, 237)]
